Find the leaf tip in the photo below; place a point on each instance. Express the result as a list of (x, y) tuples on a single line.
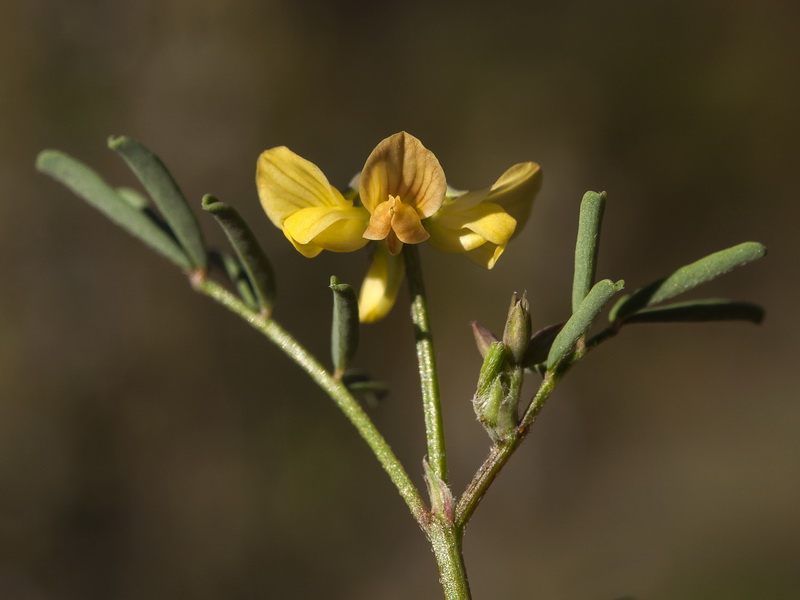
[(759, 250), (115, 141), (43, 158), (209, 203)]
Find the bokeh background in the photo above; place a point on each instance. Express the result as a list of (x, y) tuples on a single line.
[(153, 446)]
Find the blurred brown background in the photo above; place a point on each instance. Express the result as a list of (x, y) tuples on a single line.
[(153, 446)]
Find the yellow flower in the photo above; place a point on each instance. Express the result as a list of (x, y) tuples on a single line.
[(401, 184), (299, 201), (481, 223), (404, 200)]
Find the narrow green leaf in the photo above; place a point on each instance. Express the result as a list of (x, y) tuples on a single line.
[(255, 262), (698, 311), (612, 314), (88, 185), (581, 320), (236, 275), (690, 276), (586, 246), (344, 330), (166, 194), (133, 197), (140, 202)]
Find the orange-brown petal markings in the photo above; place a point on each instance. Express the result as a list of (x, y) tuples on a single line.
[(401, 166)]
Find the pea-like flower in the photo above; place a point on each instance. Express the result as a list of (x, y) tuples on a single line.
[(404, 199)]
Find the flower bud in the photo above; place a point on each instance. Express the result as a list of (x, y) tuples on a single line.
[(483, 337), (508, 411), (491, 368), (487, 406), (497, 395), (517, 332), (489, 392)]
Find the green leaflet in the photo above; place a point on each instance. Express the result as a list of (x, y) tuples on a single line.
[(697, 311), (88, 185), (166, 195), (236, 275), (344, 329), (687, 278), (251, 255), (586, 246), (581, 320)]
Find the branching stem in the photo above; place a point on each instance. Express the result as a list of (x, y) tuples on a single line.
[(333, 387)]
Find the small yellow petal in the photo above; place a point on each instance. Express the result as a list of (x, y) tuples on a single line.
[(288, 183), (486, 255), (380, 222), (308, 250), (381, 285), (487, 219), (455, 230), (334, 229), (516, 189), (401, 166), (393, 244), (407, 225)]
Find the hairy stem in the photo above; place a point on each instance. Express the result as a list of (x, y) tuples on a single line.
[(429, 379), (500, 454), (333, 387), (445, 540)]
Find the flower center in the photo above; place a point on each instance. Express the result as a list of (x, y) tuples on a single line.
[(396, 222)]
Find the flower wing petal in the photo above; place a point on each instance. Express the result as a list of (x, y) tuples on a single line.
[(486, 255), (288, 183), (381, 285), (334, 229), (308, 250), (401, 166), (454, 230), (516, 189)]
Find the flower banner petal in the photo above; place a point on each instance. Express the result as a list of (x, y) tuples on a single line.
[(401, 166)]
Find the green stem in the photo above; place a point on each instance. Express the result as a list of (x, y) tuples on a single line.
[(445, 540), (429, 379), (501, 453), (334, 388)]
